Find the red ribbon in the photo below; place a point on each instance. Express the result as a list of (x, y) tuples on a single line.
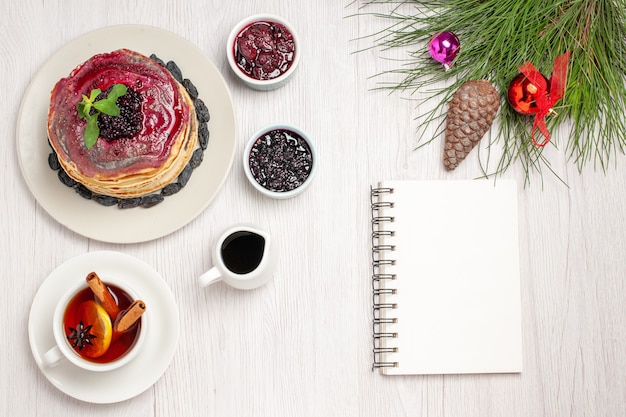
[(545, 99)]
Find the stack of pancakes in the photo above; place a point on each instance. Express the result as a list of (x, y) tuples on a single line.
[(124, 167)]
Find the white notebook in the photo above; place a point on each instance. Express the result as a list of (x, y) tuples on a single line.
[(446, 277)]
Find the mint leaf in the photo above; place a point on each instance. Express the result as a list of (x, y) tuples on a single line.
[(92, 131), (81, 109), (117, 90), (107, 107), (94, 94)]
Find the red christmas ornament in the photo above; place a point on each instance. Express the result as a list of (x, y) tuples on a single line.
[(523, 94), (531, 93)]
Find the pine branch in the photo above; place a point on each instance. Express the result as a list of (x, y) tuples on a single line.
[(497, 36)]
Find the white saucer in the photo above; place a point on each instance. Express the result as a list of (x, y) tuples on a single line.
[(159, 346)]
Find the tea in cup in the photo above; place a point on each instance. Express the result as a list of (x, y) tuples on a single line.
[(97, 326), (244, 257)]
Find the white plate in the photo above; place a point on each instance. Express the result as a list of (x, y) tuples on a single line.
[(159, 346), (110, 224)]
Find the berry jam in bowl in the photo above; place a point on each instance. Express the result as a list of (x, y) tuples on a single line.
[(280, 161), (263, 51)]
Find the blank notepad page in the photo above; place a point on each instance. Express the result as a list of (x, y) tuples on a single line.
[(456, 292)]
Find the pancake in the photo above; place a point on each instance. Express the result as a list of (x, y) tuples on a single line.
[(125, 167)]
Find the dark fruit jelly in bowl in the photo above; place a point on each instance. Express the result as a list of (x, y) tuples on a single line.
[(280, 160), (264, 50)]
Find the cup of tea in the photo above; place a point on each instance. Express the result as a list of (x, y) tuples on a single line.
[(98, 325), (244, 257)]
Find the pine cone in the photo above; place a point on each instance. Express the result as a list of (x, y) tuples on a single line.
[(470, 114)]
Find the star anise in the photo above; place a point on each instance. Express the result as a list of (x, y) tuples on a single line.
[(80, 336)]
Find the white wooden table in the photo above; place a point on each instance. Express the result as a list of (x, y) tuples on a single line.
[(301, 345)]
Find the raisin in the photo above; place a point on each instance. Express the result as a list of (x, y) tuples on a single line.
[(126, 203), (196, 158), (202, 113), (191, 89), (175, 71), (203, 135), (83, 191), (66, 179), (105, 200), (157, 59), (151, 200), (171, 189), (184, 176), (53, 161)]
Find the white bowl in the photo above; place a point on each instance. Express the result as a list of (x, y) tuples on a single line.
[(275, 193), (265, 84)]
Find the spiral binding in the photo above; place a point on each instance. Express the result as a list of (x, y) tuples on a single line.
[(380, 279)]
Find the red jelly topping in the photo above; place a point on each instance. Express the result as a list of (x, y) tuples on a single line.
[(164, 114), (264, 50)]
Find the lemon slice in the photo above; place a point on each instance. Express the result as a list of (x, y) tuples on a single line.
[(101, 328)]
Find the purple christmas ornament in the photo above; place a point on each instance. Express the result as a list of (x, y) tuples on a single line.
[(444, 47)]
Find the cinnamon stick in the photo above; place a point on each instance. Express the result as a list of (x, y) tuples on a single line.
[(103, 295), (129, 317)]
